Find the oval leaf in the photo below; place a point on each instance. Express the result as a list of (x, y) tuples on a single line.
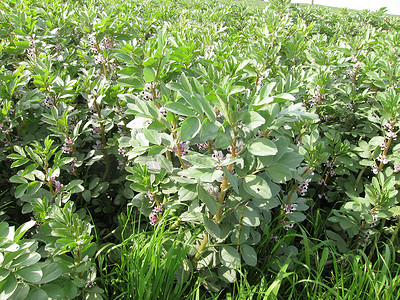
[(249, 254), (229, 257), (257, 187), (190, 127), (263, 147)]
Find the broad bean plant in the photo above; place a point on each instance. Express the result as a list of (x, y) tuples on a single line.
[(241, 127)]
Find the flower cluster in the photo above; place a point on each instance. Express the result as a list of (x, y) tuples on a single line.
[(99, 59), (98, 145), (303, 186), (105, 43), (154, 215), (375, 218), (382, 158), (389, 131), (183, 147), (316, 99), (5, 130), (218, 155), (149, 92), (67, 146), (366, 238), (56, 183), (122, 151), (212, 189), (353, 72), (149, 195), (202, 146), (290, 208), (163, 111), (238, 146), (287, 225)]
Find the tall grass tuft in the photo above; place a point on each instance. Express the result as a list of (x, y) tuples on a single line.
[(149, 265)]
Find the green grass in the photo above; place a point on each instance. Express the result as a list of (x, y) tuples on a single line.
[(148, 264)]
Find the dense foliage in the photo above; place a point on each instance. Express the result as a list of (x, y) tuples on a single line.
[(167, 149)]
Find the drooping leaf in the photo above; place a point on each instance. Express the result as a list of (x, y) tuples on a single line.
[(249, 255), (278, 173), (229, 257), (209, 131), (257, 187), (51, 272), (31, 274), (208, 200), (263, 147), (190, 127), (180, 109)]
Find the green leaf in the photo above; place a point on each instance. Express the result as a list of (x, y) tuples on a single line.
[(291, 160), (249, 215), (70, 289), (51, 272), (227, 274), (223, 140), (26, 259), (209, 131), (20, 162), (253, 120), (20, 190), (156, 150), (200, 160), (31, 274), (18, 179), (190, 127), (209, 201), (32, 188), (75, 186), (37, 294), (249, 255), (22, 229), (278, 173), (212, 228), (263, 147), (232, 179), (152, 136), (257, 187), (53, 291), (3, 231), (340, 242), (180, 109), (296, 216), (229, 257), (187, 192), (207, 108), (20, 150), (8, 286), (193, 102), (3, 273), (149, 74), (20, 293), (130, 82)]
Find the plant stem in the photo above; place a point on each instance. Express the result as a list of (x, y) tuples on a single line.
[(201, 248), (218, 215), (103, 142)]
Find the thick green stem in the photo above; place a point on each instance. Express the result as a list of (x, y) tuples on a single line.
[(201, 248), (221, 199)]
